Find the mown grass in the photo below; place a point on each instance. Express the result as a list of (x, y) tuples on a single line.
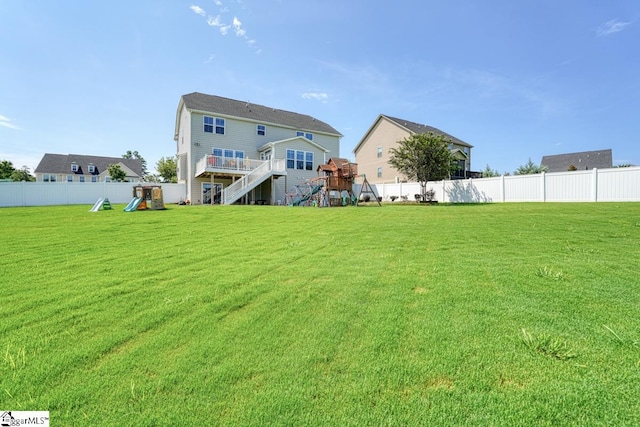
[(505, 314)]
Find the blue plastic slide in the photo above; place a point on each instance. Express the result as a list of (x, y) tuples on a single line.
[(133, 204)]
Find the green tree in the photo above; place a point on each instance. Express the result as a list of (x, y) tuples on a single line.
[(423, 157), (167, 169), (22, 175), (488, 172), (530, 168), (624, 165), (116, 173), (135, 155), (6, 169)]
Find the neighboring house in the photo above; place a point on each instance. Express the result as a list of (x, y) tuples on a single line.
[(372, 152), (600, 159), (79, 168), (231, 151)]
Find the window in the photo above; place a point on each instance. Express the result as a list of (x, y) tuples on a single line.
[(92, 168), (308, 161), (291, 157), (261, 130), (94, 179), (299, 159), (307, 135), (69, 178), (220, 126), (107, 179), (81, 178), (228, 153), (379, 151), (238, 154), (208, 124), (380, 172), (302, 160), (74, 167), (466, 150)]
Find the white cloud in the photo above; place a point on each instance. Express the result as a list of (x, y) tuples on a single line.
[(238, 26), (223, 27), (200, 11), (611, 27), (6, 122), (214, 21), (320, 96)]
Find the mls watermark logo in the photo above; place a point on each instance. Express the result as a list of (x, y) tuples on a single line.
[(24, 418)]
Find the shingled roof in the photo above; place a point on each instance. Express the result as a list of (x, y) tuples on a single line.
[(258, 113), (417, 128), (584, 160), (61, 164)]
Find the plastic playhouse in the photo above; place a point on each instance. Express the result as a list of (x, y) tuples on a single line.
[(148, 196)]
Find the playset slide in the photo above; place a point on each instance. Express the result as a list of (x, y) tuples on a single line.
[(307, 196), (98, 205), (133, 204)]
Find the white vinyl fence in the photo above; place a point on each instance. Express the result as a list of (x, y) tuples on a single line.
[(596, 185), (77, 193)]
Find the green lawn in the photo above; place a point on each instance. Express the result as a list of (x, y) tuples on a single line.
[(503, 314)]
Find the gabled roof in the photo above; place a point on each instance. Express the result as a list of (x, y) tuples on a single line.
[(301, 138), (61, 164), (258, 113), (601, 159), (413, 128)]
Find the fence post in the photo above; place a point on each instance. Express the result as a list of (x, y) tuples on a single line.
[(502, 189), (544, 186), (594, 184)]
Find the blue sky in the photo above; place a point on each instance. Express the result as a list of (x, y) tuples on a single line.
[(516, 79)]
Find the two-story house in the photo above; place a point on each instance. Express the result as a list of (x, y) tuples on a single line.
[(372, 152), (231, 151), (81, 168)]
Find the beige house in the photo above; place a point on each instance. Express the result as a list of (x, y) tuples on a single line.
[(372, 152), (81, 168), (231, 151)]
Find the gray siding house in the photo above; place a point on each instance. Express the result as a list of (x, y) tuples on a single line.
[(231, 151), (81, 168), (585, 160)]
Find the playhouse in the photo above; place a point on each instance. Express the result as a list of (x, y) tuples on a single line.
[(332, 187), (146, 196)]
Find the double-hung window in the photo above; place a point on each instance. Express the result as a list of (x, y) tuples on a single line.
[(212, 124), (220, 126), (208, 124), (299, 159), (74, 167), (308, 160), (379, 152), (302, 160), (291, 158), (261, 130)]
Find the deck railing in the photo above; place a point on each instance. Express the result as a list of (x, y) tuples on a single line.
[(211, 163)]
